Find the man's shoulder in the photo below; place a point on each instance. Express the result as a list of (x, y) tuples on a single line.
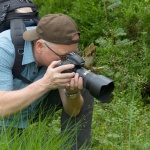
[(6, 45), (6, 41), (6, 34)]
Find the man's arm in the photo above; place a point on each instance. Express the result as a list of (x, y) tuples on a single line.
[(72, 106), (71, 98), (12, 102)]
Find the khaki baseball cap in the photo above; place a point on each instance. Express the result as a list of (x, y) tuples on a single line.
[(54, 28)]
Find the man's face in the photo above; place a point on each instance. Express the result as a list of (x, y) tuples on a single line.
[(51, 52)]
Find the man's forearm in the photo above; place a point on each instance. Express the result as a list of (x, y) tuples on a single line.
[(12, 102), (72, 105)]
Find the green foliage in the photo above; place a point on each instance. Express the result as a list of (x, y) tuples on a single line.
[(120, 30)]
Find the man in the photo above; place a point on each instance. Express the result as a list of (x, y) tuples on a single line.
[(45, 46)]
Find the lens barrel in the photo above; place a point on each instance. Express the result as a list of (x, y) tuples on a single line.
[(99, 86)]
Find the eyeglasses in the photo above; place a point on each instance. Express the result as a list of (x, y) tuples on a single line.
[(63, 57)]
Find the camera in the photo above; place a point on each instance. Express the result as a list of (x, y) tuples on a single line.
[(99, 86)]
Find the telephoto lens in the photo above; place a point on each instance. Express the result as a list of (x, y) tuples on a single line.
[(99, 86)]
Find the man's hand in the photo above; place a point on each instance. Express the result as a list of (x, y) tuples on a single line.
[(54, 78), (76, 84)]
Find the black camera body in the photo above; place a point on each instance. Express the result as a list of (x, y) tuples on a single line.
[(72, 58), (99, 86)]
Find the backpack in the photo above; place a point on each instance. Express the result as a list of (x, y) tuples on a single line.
[(16, 15)]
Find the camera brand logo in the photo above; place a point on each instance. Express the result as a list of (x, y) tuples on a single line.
[(86, 72)]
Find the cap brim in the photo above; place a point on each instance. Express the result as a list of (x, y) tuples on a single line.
[(30, 35)]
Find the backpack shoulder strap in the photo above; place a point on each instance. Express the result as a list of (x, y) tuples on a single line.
[(17, 29)]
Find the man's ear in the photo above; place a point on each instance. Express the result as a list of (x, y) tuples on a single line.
[(39, 46)]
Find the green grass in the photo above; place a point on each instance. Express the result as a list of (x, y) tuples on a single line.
[(119, 126), (40, 135)]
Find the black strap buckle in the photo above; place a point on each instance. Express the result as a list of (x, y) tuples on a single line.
[(5, 8), (2, 18), (20, 51)]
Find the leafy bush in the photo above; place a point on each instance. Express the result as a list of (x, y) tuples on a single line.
[(120, 30)]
